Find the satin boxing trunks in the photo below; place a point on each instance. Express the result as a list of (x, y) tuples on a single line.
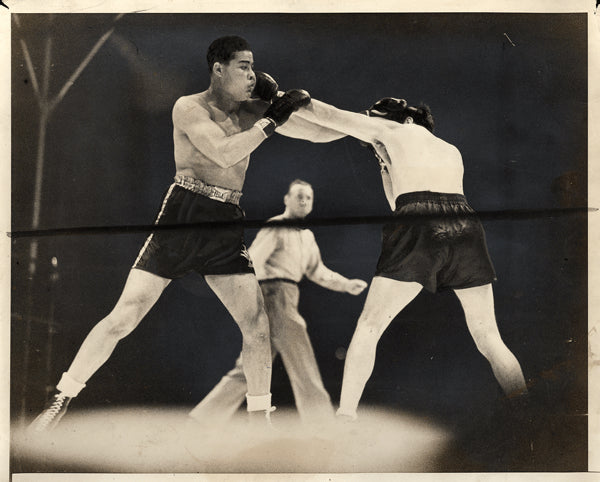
[(213, 244), (437, 241)]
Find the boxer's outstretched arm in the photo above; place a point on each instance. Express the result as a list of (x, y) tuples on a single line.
[(365, 128), (300, 128)]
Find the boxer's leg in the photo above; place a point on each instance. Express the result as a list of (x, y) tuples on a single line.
[(141, 291), (386, 298), (241, 295), (478, 305)]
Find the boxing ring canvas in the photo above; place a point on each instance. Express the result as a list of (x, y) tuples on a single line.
[(511, 90)]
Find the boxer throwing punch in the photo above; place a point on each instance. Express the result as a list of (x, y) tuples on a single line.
[(440, 244), (214, 133)]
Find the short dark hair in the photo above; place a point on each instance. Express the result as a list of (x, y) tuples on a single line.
[(421, 115), (223, 48), (298, 181), (398, 110)]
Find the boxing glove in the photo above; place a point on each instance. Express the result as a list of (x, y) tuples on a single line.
[(265, 87), (281, 109), (388, 106)]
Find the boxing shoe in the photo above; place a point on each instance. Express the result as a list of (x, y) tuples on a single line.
[(53, 411)]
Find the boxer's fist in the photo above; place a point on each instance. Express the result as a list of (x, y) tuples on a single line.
[(265, 87), (282, 107), (387, 107), (299, 97)]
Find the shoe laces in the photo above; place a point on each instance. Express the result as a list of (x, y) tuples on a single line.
[(53, 410), (269, 411)]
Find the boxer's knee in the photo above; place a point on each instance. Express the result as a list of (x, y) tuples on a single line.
[(255, 328), (488, 342), (371, 324), (122, 320)]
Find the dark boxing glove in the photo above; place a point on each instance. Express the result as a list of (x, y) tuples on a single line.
[(388, 107), (281, 109), (265, 87)]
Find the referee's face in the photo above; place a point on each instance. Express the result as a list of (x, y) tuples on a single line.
[(299, 201)]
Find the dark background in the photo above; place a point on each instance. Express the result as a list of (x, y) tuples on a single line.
[(509, 90)]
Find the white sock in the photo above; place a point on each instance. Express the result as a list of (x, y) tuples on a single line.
[(255, 403), (344, 413), (69, 386)]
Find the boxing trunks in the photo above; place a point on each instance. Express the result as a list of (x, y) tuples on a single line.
[(206, 246), (437, 241)]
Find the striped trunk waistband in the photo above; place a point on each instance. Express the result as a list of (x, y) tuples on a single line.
[(216, 193)]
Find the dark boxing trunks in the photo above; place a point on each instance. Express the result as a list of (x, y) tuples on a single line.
[(438, 241), (211, 249)]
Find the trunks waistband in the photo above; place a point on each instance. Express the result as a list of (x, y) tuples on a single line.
[(282, 280), (216, 193), (424, 196)]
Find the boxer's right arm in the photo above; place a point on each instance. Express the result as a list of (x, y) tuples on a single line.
[(210, 139), (388, 188)]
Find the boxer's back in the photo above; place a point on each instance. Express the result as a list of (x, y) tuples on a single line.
[(419, 161)]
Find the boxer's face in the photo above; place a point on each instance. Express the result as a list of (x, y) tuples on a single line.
[(299, 201), (238, 76)]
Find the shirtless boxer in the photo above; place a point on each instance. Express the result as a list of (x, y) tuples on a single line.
[(282, 256), (439, 244), (214, 133)]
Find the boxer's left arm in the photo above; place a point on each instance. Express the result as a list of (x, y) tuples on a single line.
[(296, 127), (266, 90), (300, 128), (365, 128)]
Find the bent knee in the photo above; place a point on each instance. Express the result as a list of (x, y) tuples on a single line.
[(116, 328), (121, 321), (489, 345), (255, 327), (256, 337), (368, 325)]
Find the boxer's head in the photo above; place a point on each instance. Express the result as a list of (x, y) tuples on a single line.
[(223, 49), (231, 64), (399, 111)]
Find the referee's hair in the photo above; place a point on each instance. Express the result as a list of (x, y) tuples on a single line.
[(298, 181)]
